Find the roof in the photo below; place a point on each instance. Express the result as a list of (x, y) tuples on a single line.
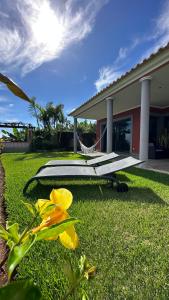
[(125, 75)]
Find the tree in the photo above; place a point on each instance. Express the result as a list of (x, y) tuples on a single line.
[(50, 116), (58, 114), (34, 107), (16, 135), (86, 127)]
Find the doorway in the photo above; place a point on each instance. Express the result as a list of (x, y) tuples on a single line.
[(122, 135)]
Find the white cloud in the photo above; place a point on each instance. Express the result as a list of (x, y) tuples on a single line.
[(125, 51), (11, 105), (44, 31), (158, 37), (106, 76), (162, 25)]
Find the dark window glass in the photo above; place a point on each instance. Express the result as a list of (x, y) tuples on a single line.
[(122, 135), (153, 130), (166, 122)]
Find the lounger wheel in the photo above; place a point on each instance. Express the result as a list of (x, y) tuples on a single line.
[(122, 187)]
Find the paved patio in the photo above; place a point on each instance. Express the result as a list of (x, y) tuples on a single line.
[(157, 165), (94, 154)]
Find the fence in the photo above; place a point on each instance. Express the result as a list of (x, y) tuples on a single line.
[(59, 141), (16, 147)]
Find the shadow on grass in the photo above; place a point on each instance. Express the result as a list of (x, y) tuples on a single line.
[(97, 192), (151, 175), (34, 155)]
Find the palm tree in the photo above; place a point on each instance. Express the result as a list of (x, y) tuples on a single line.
[(34, 107), (45, 119), (55, 114), (58, 115), (50, 115), (50, 110)]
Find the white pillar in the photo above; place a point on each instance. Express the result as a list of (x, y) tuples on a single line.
[(74, 136), (109, 101), (144, 118)]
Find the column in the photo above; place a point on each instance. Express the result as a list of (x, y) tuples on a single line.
[(109, 101), (144, 117), (74, 136)]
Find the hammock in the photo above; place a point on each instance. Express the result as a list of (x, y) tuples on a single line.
[(91, 149)]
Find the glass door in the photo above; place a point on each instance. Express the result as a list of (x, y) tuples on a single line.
[(122, 135)]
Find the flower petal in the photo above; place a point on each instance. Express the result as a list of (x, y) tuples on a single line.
[(56, 216), (69, 238), (61, 197)]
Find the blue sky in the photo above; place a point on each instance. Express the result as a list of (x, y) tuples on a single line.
[(66, 50)]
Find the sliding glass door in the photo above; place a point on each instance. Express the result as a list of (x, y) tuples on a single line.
[(121, 135)]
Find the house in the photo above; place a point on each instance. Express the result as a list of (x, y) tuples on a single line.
[(135, 110)]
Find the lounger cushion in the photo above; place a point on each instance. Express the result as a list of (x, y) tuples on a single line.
[(101, 159), (66, 162), (66, 171), (80, 162), (117, 166)]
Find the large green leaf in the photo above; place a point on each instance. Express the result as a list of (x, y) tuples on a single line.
[(30, 208), (69, 272), (3, 233), (56, 229), (20, 290), (13, 231), (17, 253)]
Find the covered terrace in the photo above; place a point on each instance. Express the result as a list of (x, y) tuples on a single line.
[(139, 95)]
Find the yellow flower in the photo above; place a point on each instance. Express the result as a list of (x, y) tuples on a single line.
[(54, 211)]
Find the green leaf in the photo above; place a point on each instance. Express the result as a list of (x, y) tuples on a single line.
[(17, 253), (82, 263), (56, 229), (30, 208), (13, 232), (84, 295), (3, 233), (10, 243), (69, 273), (20, 290)]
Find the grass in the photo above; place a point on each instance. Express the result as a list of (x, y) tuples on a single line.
[(125, 235)]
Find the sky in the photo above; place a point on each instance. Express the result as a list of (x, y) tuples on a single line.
[(66, 51)]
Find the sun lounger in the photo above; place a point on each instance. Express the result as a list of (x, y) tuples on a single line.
[(75, 172), (79, 162)]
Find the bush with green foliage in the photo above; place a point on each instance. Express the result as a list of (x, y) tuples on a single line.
[(16, 135)]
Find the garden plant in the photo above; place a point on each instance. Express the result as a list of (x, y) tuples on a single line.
[(50, 221)]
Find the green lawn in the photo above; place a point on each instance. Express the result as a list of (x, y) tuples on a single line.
[(126, 235)]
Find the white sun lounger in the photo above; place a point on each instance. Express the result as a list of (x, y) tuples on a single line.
[(75, 172), (80, 162)]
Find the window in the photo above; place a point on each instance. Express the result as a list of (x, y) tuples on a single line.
[(122, 135)]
